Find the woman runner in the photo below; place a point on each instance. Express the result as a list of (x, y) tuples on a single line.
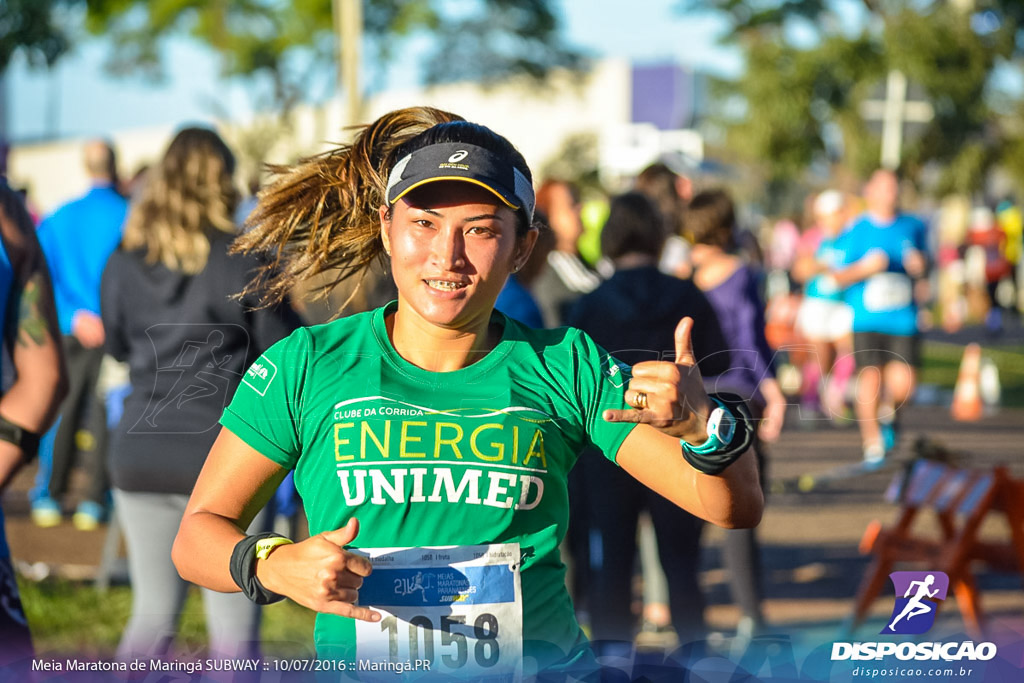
[(174, 265), (437, 421)]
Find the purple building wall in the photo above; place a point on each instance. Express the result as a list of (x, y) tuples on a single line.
[(665, 95)]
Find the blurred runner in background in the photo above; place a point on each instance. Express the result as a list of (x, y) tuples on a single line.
[(632, 238), (567, 277), (78, 239), (883, 253), (169, 313), (731, 285), (824, 319), (29, 405)]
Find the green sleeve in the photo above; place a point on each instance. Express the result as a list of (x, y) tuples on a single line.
[(267, 406), (601, 383)]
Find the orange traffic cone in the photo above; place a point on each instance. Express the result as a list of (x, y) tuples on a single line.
[(967, 394)]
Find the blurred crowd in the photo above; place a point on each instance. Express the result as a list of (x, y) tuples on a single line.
[(819, 313)]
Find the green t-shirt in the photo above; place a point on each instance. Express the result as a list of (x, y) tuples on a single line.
[(474, 456)]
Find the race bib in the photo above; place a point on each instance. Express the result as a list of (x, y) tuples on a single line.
[(887, 292), (454, 612)]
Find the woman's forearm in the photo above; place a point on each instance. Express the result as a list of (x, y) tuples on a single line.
[(233, 486), (33, 400), (732, 499), (202, 550)]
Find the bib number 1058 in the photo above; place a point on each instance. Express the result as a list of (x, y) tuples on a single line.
[(457, 608), (454, 648)]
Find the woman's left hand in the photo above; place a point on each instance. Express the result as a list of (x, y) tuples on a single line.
[(669, 396)]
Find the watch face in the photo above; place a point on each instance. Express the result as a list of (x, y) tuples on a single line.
[(723, 424)]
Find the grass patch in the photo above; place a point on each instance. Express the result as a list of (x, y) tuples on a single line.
[(69, 617)]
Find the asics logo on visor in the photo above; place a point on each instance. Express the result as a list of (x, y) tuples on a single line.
[(458, 156)]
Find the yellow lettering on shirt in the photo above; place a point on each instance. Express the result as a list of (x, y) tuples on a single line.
[(498, 447), (536, 450), (453, 442), (339, 442), (367, 431), (491, 442), (515, 444), (407, 438)]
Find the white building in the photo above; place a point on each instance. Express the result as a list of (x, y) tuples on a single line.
[(538, 120)]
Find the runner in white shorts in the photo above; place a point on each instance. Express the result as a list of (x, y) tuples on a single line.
[(824, 319)]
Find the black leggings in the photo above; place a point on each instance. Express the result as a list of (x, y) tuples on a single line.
[(614, 501), (82, 408), (741, 554)]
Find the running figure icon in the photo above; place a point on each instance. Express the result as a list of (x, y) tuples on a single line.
[(916, 605), (921, 593)]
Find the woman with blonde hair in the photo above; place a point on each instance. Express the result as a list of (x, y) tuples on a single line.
[(168, 311), (431, 438)]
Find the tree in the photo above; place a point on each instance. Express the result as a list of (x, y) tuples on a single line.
[(288, 42), (30, 26), (794, 98)]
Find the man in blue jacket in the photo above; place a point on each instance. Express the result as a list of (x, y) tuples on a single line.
[(78, 239)]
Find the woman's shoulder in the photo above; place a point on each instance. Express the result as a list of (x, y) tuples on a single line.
[(677, 286), (325, 346), (122, 262), (355, 331), (746, 270), (746, 278), (719, 271), (537, 337), (220, 248), (559, 348), (117, 259), (559, 354)]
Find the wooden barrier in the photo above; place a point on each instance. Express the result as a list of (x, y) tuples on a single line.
[(960, 500)]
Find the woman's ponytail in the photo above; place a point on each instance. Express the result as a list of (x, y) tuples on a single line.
[(321, 215)]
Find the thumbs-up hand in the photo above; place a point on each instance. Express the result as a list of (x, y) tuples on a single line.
[(319, 573), (669, 395)]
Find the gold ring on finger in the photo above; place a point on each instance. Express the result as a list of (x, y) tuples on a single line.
[(640, 402)]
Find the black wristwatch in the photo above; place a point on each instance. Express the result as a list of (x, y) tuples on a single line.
[(736, 438), (27, 441)]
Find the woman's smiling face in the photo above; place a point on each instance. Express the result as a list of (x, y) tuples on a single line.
[(453, 244)]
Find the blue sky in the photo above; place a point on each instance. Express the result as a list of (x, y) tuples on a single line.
[(77, 98)]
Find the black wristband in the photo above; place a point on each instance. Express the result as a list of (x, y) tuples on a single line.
[(742, 439), (27, 441), (243, 565)]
